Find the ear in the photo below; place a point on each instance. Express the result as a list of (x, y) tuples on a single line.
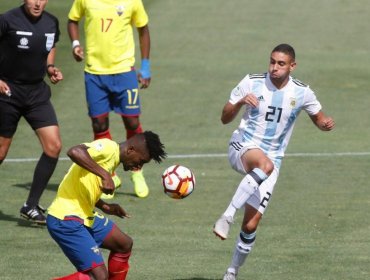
[(292, 66), (129, 150)]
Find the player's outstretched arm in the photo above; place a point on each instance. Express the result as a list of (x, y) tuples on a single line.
[(323, 122)]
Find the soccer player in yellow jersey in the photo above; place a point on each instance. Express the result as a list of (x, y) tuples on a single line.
[(111, 82), (72, 221)]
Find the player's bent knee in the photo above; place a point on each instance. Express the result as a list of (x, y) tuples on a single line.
[(267, 166), (125, 246), (99, 273), (4, 148), (131, 123), (53, 149)]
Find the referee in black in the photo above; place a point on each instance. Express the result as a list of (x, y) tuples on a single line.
[(28, 35)]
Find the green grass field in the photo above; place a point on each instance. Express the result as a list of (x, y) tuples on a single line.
[(317, 226)]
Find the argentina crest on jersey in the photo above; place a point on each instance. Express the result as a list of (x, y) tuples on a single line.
[(49, 41)]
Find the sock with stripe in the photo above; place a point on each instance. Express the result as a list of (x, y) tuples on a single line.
[(246, 188)]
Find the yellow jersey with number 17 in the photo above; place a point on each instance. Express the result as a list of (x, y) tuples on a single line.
[(80, 190), (110, 47)]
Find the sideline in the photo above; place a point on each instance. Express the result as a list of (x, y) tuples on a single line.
[(344, 154)]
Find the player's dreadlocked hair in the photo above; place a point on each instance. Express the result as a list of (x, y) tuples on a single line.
[(155, 147)]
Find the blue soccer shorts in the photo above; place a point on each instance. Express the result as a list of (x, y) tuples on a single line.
[(116, 92), (80, 243)]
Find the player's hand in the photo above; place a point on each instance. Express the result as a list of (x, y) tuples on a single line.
[(114, 209), (4, 88), (78, 53), (250, 99), (143, 82), (107, 184), (144, 75), (55, 74), (327, 124)]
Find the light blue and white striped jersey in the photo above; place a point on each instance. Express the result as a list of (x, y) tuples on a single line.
[(270, 125)]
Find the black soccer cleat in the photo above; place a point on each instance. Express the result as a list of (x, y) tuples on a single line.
[(33, 214)]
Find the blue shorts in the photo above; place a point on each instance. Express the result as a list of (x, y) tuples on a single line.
[(118, 92), (80, 243)]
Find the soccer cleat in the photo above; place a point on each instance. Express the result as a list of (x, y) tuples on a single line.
[(229, 275), (117, 184), (222, 226), (140, 186), (33, 214), (41, 208)]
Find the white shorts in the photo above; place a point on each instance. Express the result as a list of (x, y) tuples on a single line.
[(261, 197)]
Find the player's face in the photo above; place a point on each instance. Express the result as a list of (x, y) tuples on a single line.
[(35, 7), (134, 160), (280, 66)]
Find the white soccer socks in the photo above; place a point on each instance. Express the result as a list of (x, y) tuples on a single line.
[(247, 187), (243, 247)]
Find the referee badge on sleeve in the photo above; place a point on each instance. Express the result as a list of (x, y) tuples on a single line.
[(49, 41)]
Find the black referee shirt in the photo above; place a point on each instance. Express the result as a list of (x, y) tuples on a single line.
[(25, 44)]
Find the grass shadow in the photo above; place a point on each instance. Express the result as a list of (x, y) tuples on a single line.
[(27, 186), (21, 222)]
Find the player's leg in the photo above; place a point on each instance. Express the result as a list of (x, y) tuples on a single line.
[(4, 147), (120, 246), (98, 101), (126, 102), (253, 212), (133, 127), (51, 144), (100, 126), (110, 237), (79, 246), (42, 118), (10, 115), (245, 241), (257, 167), (97, 94)]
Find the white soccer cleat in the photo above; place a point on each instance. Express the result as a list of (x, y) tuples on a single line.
[(222, 226), (229, 276)]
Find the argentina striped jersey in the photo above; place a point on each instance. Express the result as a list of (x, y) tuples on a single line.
[(270, 124)]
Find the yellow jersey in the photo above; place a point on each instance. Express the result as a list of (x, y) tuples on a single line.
[(110, 46), (80, 190)]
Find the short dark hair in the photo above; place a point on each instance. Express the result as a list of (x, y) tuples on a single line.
[(155, 147), (285, 48)]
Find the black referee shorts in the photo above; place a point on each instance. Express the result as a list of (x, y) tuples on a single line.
[(29, 101)]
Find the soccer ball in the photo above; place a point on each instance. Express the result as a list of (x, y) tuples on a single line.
[(178, 181)]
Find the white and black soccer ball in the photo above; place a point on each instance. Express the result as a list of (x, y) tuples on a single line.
[(178, 181)]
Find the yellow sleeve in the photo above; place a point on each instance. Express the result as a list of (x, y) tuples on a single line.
[(102, 150), (77, 10), (139, 16)]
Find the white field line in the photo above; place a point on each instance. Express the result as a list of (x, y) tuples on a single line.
[(343, 154)]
